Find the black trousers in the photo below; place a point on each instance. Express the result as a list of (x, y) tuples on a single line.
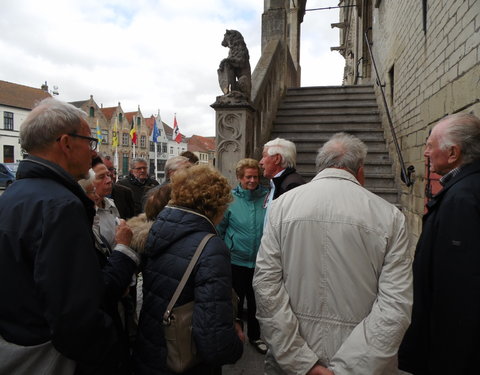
[(242, 283)]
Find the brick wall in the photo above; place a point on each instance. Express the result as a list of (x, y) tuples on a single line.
[(435, 73)]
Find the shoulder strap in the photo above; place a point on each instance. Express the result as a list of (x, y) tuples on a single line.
[(186, 275)]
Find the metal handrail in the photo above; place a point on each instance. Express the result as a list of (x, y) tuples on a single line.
[(405, 172)]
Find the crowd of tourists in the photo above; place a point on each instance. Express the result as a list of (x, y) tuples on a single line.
[(99, 276)]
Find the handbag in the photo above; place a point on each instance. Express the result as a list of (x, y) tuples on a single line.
[(177, 323)]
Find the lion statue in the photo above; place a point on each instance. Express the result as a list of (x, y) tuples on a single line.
[(234, 72)]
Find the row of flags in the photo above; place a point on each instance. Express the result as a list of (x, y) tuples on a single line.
[(176, 136)]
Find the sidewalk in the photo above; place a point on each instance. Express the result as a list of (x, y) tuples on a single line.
[(251, 362)]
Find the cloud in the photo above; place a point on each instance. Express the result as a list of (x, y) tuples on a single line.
[(156, 54)]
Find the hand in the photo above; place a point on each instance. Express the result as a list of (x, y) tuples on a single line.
[(239, 331), (123, 235), (320, 370)]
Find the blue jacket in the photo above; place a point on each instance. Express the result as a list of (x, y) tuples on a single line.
[(171, 243), (51, 284), (242, 225)]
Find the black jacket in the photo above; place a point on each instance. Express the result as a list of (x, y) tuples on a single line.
[(444, 336), (50, 280), (171, 244), (286, 181), (123, 198), (139, 190)]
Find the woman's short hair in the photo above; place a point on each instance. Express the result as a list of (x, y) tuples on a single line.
[(244, 164), (86, 182), (47, 121), (342, 151), (157, 201), (202, 189), (286, 149)]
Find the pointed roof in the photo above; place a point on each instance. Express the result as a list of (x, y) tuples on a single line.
[(20, 96), (79, 103), (201, 144), (108, 112)]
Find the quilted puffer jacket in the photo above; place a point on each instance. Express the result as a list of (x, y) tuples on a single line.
[(171, 244)]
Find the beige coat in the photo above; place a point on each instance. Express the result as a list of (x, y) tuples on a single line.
[(333, 279)]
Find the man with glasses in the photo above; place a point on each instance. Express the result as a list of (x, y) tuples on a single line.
[(139, 182), (50, 278)]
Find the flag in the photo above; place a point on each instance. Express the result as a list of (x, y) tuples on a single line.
[(133, 132), (176, 136), (99, 134), (155, 131), (115, 135)]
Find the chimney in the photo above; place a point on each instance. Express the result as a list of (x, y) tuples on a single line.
[(44, 87)]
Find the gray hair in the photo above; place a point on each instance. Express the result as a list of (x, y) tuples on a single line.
[(85, 182), (175, 163), (137, 160), (47, 121), (463, 130), (285, 149), (342, 151)]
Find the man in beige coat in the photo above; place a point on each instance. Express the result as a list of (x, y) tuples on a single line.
[(333, 273)]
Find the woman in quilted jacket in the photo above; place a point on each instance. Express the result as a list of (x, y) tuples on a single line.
[(199, 197)]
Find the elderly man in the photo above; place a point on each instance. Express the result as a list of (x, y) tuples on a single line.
[(50, 279), (139, 182), (444, 335), (278, 163), (333, 273)]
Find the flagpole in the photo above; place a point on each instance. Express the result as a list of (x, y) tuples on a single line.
[(155, 146)]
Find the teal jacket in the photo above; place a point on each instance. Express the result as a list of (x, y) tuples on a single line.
[(242, 225)]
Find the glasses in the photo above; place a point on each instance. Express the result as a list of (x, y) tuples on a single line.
[(93, 141)]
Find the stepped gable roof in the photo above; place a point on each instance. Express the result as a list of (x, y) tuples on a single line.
[(130, 115), (108, 112), (20, 96), (201, 144)]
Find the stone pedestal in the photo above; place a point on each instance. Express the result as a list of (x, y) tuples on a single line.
[(234, 133)]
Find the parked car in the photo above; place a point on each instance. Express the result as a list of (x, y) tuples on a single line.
[(8, 172)]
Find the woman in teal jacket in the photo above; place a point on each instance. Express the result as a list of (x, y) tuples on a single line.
[(242, 229)]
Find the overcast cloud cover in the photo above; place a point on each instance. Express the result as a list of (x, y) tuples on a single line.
[(159, 54)]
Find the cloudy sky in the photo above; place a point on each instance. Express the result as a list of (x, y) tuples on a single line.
[(156, 54)]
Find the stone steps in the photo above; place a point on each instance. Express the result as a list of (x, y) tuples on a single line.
[(309, 116)]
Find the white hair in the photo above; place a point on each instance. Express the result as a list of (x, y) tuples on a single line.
[(285, 149)]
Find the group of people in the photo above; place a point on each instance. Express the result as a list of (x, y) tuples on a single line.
[(324, 266)]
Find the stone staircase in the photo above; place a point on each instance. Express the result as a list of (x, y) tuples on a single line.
[(309, 116)]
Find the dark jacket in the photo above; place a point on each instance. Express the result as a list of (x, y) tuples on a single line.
[(444, 336), (139, 190), (286, 181), (50, 277), (123, 198), (171, 244)]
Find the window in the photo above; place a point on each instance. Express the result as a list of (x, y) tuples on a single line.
[(8, 154), (152, 146), (104, 137), (143, 141), (171, 150), (164, 148), (125, 138), (92, 112), (8, 120), (120, 118)]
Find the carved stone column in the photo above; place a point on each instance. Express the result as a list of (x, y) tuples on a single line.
[(234, 133)]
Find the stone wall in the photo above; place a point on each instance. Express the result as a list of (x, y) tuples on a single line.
[(427, 75)]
